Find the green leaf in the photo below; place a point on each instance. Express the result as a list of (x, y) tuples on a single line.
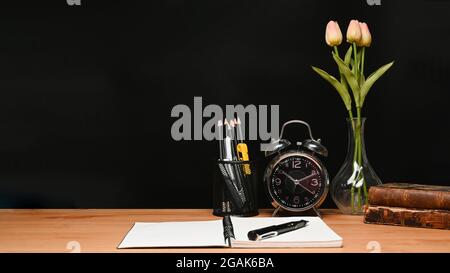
[(347, 59), (352, 80), (348, 56), (362, 80), (358, 61), (337, 85), (370, 81)]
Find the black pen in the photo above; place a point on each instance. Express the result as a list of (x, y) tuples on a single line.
[(272, 231)]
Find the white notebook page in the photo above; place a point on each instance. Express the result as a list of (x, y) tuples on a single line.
[(315, 234), (175, 234)]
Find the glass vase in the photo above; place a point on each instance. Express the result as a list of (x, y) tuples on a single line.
[(350, 186)]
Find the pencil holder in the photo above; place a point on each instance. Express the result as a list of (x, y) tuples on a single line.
[(235, 189)]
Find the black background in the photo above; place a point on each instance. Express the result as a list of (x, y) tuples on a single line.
[(86, 92)]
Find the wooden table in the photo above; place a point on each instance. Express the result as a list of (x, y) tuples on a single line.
[(101, 230)]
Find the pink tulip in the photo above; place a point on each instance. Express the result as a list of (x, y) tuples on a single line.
[(333, 34), (366, 37), (354, 32)]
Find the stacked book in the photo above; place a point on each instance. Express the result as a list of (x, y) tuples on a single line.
[(409, 205)]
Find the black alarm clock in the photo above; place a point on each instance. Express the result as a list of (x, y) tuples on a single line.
[(296, 179)]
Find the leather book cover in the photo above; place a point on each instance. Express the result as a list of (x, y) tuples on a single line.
[(410, 196), (438, 219)]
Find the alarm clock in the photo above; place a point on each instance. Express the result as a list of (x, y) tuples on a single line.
[(296, 179)]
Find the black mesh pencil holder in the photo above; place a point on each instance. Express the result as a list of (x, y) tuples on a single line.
[(235, 188)]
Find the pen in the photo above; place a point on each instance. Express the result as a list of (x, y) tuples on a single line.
[(233, 174), (228, 231), (242, 151), (239, 130), (231, 127), (220, 133), (272, 231), (228, 156), (234, 194)]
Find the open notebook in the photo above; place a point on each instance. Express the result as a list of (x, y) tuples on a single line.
[(214, 234)]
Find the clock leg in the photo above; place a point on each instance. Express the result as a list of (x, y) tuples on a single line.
[(317, 212), (275, 211)]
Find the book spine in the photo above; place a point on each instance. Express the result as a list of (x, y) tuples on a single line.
[(409, 198), (438, 219)]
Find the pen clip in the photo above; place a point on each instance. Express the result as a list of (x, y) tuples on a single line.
[(267, 235)]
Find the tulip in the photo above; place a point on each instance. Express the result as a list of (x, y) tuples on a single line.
[(366, 37), (354, 32), (333, 34)]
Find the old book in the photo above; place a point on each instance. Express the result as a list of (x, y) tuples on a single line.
[(439, 219), (410, 196)]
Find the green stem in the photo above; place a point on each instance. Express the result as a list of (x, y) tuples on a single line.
[(366, 193), (352, 190), (355, 159), (363, 57), (350, 115), (352, 200), (359, 199), (359, 156), (362, 61), (355, 132), (360, 160), (355, 125), (358, 110), (355, 64)]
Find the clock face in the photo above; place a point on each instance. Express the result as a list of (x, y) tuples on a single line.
[(297, 182)]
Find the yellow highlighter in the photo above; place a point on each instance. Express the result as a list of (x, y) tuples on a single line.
[(242, 152)]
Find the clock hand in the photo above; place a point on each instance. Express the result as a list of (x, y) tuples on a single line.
[(288, 176), (305, 188), (293, 185), (299, 182), (304, 178)]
